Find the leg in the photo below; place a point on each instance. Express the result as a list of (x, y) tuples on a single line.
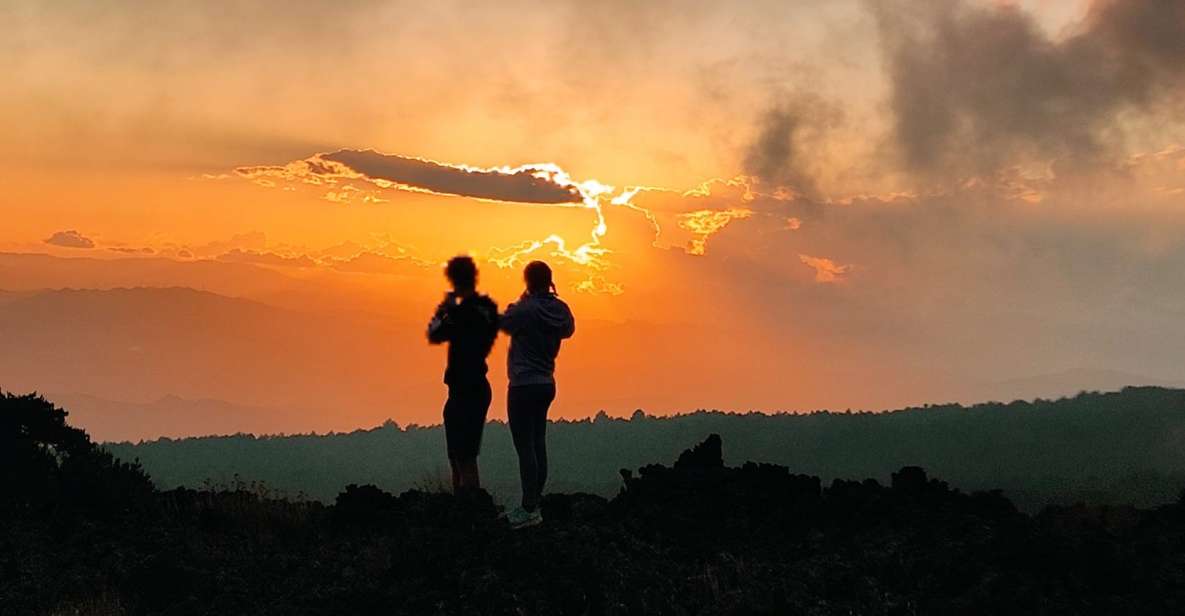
[(464, 421), (451, 438), (546, 395), (518, 413), (478, 408), (455, 466), (470, 478)]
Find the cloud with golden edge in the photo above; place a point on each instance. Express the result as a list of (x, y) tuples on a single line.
[(686, 219), (704, 223), (537, 183)]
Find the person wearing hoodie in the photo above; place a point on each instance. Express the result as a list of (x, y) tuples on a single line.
[(468, 322), (536, 323)]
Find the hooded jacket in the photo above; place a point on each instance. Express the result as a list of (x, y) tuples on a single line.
[(537, 323)]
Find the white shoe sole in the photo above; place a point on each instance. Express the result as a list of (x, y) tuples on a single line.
[(527, 523)]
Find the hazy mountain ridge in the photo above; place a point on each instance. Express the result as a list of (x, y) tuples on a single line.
[(335, 370), (145, 343), (1103, 447), (169, 416), (311, 291), (350, 347)]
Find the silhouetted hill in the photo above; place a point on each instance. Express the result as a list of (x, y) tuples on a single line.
[(86, 535), (1065, 383), (1120, 447)]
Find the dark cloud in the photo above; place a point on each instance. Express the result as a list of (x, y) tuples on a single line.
[(132, 251), (70, 239), (1067, 283), (780, 155), (528, 184), (975, 87)]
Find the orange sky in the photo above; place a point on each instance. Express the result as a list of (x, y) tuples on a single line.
[(806, 204)]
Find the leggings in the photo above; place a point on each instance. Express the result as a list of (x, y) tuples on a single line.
[(526, 408)]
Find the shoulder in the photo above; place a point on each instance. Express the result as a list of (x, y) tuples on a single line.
[(486, 306), (485, 301)]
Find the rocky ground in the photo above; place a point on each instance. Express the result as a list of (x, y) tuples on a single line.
[(82, 533)]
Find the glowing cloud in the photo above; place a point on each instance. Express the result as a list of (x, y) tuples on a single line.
[(534, 183), (537, 183), (686, 219), (703, 223)]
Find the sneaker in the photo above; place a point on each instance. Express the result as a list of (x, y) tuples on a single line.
[(521, 518)]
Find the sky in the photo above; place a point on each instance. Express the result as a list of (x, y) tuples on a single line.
[(772, 205)]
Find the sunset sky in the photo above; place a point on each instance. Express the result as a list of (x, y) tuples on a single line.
[(749, 205)]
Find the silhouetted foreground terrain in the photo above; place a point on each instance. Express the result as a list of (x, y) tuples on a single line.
[(1116, 448), (84, 533)]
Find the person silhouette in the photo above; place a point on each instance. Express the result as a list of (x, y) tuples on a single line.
[(536, 323), (468, 322)]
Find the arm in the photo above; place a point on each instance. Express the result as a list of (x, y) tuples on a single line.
[(440, 328), (569, 327), (511, 320)]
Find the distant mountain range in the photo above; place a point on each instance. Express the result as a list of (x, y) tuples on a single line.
[(1066, 383), (243, 348), (147, 362), (143, 344), (173, 416)]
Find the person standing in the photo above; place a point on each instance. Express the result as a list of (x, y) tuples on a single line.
[(536, 323), (468, 322)]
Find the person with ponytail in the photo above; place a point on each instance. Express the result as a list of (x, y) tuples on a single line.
[(536, 323)]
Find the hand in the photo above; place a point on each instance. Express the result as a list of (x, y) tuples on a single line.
[(449, 300)]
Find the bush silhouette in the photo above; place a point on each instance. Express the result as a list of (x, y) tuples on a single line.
[(47, 465)]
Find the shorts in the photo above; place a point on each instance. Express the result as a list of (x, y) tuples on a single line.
[(465, 418)]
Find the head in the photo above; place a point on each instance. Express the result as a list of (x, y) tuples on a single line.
[(462, 273), (537, 275)]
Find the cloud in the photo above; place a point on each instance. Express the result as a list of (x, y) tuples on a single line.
[(687, 219), (704, 223), (70, 239), (370, 262), (133, 251), (535, 183), (826, 270), (780, 155), (256, 257), (539, 183), (975, 87), (251, 240)]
